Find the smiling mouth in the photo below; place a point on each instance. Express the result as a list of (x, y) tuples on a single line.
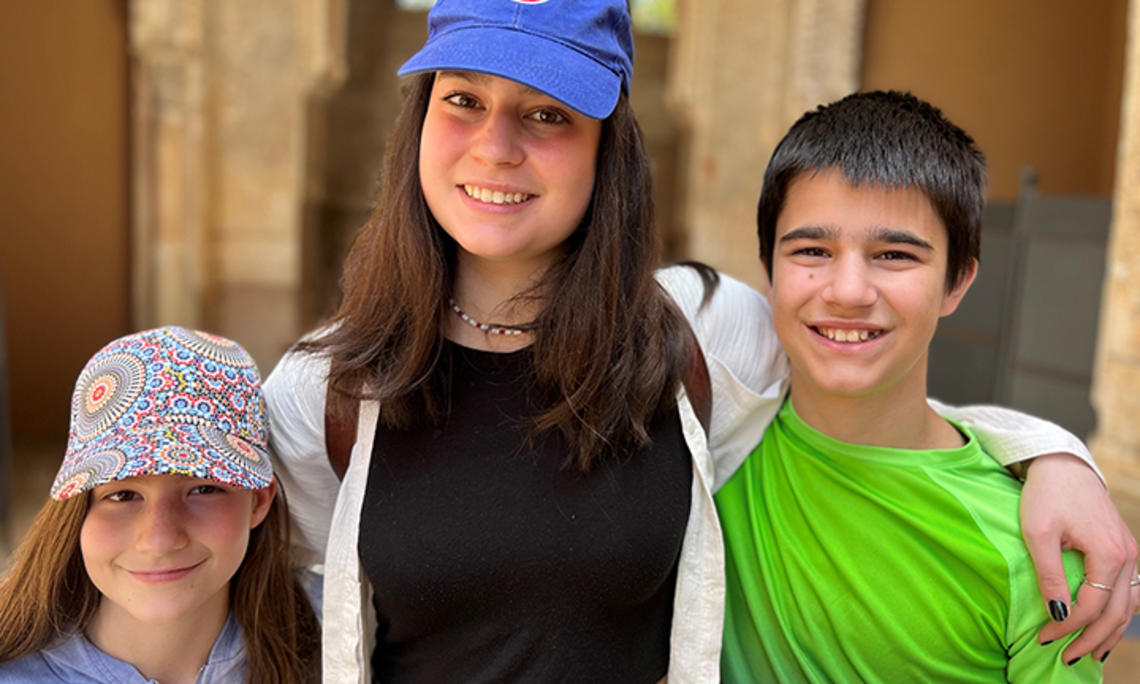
[(847, 335), (164, 575), (495, 196)]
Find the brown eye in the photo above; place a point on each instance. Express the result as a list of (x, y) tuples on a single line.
[(549, 116), (462, 100), (895, 255)]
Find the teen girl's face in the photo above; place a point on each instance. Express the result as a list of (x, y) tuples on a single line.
[(507, 171), (164, 547)]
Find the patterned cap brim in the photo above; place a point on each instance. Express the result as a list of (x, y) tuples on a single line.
[(192, 450)]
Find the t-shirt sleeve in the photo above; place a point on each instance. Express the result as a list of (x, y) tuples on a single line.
[(748, 371), (1011, 436), (1029, 661), (295, 395)]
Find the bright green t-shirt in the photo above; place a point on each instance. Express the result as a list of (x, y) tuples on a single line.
[(855, 563)]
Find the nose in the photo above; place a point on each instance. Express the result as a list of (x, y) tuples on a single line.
[(498, 140), (162, 527), (851, 285)]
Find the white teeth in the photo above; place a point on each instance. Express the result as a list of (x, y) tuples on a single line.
[(494, 196), (843, 335)]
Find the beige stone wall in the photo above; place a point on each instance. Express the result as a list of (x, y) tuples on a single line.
[(743, 71), (1116, 385), (219, 127)]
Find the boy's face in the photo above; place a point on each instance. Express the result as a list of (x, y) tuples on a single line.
[(858, 285)]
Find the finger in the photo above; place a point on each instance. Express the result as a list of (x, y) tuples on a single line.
[(1105, 565), (1045, 549), (1105, 629), (1101, 651)]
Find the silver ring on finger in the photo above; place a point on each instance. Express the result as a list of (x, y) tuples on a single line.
[(1135, 581), (1097, 585)]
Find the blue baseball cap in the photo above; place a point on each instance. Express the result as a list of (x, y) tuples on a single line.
[(579, 52)]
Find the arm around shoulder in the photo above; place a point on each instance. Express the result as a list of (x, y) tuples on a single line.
[(1011, 437)]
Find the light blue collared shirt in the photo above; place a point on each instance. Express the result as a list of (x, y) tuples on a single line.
[(75, 660)]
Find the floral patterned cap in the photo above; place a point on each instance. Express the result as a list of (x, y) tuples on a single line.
[(167, 401)]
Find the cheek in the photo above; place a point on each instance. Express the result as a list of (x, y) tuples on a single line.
[(99, 544), (227, 529)]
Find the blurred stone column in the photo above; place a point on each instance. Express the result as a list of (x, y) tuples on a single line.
[(219, 137), (742, 72), (1116, 380), (168, 169)]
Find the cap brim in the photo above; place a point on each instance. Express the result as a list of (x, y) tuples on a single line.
[(561, 72), (200, 451)]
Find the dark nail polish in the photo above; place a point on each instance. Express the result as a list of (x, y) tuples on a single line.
[(1046, 643), (1105, 656), (1074, 660), (1058, 609)]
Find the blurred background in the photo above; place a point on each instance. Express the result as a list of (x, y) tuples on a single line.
[(207, 162)]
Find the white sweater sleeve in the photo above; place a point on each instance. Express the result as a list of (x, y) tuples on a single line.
[(1010, 436), (295, 395), (748, 371)]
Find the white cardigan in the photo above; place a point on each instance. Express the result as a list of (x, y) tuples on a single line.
[(748, 375)]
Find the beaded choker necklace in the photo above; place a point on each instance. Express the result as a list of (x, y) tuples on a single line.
[(486, 327)]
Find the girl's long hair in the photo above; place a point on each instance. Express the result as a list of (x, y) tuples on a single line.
[(608, 344), (46, 594)]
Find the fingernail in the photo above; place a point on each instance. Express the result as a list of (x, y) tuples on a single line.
[(1058, 609), (1074, 660), (1105, 656)]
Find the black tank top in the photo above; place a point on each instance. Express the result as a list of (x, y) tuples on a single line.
[(492, 560)]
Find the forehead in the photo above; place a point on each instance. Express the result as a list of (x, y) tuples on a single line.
[(827, 200)]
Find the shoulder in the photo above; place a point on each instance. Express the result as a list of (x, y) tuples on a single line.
[(295, 392), (72, 660), (687, 288), (734, 327), (32, 667), (298, 373)]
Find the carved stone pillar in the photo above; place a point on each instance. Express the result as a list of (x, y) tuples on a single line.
[(1116, 381), (168, 168), (219, 133), (743, 71)]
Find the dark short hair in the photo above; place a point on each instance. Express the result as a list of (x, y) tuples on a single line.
[(890, 139)]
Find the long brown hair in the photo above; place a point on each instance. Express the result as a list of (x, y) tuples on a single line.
[(46, 594), (609, 343)]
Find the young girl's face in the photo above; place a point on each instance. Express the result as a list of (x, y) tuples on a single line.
[(164, 547), (507, 171)]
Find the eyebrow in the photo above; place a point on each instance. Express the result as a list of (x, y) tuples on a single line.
[(898, 236), (810, 233), (482, 79), (880, 234)]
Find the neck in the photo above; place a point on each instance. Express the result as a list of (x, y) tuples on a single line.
[(896, 417), (486, 292), (170, 652)]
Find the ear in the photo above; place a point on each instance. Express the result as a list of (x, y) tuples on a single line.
[(952, 298), (262, 500)]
